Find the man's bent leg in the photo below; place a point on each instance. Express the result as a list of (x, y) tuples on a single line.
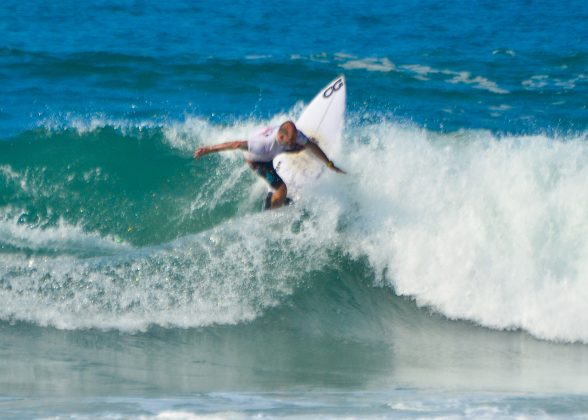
[(267, 171), (279, 196)]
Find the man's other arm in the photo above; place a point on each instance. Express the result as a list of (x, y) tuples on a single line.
[(318, 152), (230, 145)]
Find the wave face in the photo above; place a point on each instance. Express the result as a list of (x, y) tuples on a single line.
[(465, 147), (112, 225)]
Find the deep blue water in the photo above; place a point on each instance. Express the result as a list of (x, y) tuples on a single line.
[(445, 275), (151, 60)]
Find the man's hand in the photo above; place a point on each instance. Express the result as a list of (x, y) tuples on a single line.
[(338, 170), (318, 152), (332, 166), (201, 151)]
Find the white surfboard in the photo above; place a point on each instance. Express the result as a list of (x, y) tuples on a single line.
[(323, 119)]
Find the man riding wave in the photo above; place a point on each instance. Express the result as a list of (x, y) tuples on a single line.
[(263, 146)]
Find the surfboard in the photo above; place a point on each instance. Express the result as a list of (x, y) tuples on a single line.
[(323, 120)]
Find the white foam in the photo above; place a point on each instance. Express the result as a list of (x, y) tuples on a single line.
[(62, 237), (88, 124), (477, 82), (419, 71), (423, 72), (542, 80), (502, 107), (536, 82), (254, 57), (370, 64), (12, 176), (228, 275), (479, 228), (322, 57), (502, 51), (571, 83), (343, 56)]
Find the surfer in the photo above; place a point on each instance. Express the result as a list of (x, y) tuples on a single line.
[(262, 147)]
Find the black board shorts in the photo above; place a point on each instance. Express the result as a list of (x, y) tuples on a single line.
[(267, 171)]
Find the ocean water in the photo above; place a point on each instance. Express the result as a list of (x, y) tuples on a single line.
[(446, 275)]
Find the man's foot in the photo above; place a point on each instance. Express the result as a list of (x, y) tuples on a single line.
[(267, 205)]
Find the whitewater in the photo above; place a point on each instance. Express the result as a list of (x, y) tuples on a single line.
[(478, 227)]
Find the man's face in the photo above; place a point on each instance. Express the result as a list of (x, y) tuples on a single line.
[(287, 135)]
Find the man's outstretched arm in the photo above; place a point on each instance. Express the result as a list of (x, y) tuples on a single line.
[(318, 152), (230, 145)]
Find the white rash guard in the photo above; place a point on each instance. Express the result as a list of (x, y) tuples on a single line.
[(263, 146)]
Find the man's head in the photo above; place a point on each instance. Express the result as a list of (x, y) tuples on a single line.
[(287, 134)]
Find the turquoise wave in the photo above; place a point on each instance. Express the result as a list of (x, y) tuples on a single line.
[(132, 185), (113, 225)]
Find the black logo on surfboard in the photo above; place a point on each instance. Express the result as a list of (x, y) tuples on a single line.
[(333, 88)]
